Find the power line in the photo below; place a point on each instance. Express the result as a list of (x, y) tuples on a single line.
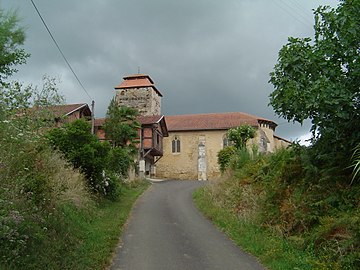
[(301, 8), (289, 10), (299, 14), (58, 47)]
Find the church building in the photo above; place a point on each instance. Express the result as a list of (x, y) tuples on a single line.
[(183, 146)]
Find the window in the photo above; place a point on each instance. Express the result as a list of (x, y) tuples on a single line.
[(175, 145)]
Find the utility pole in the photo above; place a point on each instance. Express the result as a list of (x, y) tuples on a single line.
[(92, 117)]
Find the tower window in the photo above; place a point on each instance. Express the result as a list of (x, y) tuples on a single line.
[(175, 145)]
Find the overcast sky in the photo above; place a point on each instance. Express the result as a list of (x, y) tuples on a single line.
[(204, 55)]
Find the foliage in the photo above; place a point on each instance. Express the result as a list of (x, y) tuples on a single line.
[(224, 157), (29, 107), (240, 135), (241, 158), (67, 238), (83, 150), (272, 251), (121, 129), (12, 36), (319, 79), (356, 165), (312, 210), (121, 126), (35, 182), (236, 154), (120, 161)]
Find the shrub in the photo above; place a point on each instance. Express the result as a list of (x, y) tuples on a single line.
[(120, 161), (356, 163), (290, 195), (224, 156), (83, 150), (113, 186), (240, 135), (35, 182)]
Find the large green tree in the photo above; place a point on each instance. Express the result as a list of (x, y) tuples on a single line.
[(12, 36), (121, 129), (121, 126), (319, 79)]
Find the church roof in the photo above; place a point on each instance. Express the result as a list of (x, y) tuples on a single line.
[(143, 120), (214, 121), (137, 81)]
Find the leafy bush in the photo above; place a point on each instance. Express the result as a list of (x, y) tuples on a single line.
[(240, 158), (224, 156), (287, 192), (113, 187), (121, 126), (120, 160), (356, 163), (35, 182), (240, 135), (237, 154), (83, 150)]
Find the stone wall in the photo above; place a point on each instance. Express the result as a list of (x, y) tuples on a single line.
[(198, 154), (145, 100), (191, 163)]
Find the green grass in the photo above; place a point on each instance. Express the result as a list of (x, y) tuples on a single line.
[(272, 251), (100, 234), (80, 238)]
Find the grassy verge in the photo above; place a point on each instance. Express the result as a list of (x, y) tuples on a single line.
[(100, 233), (79, 238), (273, 252)]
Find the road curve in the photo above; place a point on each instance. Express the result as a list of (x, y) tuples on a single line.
[(167, 232)]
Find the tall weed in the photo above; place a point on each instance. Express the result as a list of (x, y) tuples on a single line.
[(35, 183), (296, 199)]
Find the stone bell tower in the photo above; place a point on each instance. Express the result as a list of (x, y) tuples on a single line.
[(139, 92)]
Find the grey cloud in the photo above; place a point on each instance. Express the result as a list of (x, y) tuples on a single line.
[(205, 55)]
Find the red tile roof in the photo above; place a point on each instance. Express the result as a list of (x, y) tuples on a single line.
[(98, 122), (147, 120), (67, 109), (143, 120), (213, 121), (137, 81)]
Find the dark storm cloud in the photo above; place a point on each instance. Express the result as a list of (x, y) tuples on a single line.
[(204, 55)]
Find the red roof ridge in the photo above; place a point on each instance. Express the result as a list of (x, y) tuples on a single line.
[(64, 109), (143, 119), (223, 113), (214, 121), (137, 81), (138, 76)]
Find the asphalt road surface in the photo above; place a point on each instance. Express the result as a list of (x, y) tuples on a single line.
[(167, 232)]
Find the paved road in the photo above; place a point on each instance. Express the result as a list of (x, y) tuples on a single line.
[(167, 232)]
